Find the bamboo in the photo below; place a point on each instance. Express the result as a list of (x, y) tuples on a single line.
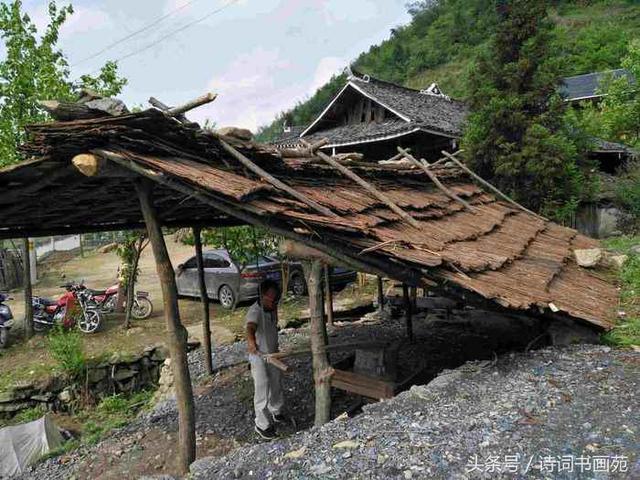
[(484, 183), (204, 298), (435, 180), (275, 182), (176, 333), (369, 188)]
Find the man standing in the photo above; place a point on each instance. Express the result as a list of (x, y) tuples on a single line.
[(262, 337)]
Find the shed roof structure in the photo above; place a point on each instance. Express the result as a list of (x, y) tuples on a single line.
[(492, 251), (587, 86)]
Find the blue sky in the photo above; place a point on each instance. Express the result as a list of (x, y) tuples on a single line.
[(260, 56)]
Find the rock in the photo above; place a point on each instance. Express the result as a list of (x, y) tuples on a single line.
[(160, 353), (240, 133), (134, 331), (296, 453), (66, 396), (113, 106), (124, 374), (617, 261), (347, 444), (635, 249), (97, 374), (567, 332), (588, 257)]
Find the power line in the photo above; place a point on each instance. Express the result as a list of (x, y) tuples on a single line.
[(171, 34), (133, 34)]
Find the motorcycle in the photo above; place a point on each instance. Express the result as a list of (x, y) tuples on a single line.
[(105, 300), (6, 320), (48, 313)]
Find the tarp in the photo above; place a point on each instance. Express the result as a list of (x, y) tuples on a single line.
[(22, 445)]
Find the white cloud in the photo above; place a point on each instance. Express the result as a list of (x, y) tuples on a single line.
[(83, 20), (327, 67)]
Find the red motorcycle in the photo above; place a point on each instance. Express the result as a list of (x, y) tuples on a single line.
[(105, 301), (72, 306)]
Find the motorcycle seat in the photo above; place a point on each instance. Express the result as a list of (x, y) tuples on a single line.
[(47, 302), (96, 292)]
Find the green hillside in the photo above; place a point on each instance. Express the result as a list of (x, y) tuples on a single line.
[(443, 38)]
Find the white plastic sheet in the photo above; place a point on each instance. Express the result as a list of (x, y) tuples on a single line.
[(22, 445)]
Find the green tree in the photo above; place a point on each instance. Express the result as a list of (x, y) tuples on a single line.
[(35, 69), (621, 107), (516, 136)]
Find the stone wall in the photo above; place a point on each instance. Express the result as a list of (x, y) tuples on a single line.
[(119, 374)]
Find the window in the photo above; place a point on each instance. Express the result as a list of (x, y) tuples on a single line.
[(215, 261)]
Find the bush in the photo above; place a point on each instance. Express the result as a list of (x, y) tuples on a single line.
[(67, 350), (627, 195)]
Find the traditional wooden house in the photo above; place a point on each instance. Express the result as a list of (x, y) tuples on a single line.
[(588, 87)]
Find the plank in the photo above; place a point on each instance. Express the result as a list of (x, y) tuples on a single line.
[(362, 384)]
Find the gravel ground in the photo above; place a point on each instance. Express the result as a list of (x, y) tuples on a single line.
[(482, 420), (521, 405)]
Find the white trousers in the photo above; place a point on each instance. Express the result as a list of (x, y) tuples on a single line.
[(267, 396)]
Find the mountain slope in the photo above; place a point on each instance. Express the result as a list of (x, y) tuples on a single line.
[(443, 38)]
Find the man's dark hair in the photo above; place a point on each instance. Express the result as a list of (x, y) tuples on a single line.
[(269, 284)]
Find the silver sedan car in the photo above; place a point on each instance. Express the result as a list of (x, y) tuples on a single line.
[(226, 281)]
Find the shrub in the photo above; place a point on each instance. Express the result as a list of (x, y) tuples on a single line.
[(67, 350)]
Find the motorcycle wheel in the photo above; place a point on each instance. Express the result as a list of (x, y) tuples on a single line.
[(39, 327), (90, 321), (142, 308), (4, 337), (110, 305)]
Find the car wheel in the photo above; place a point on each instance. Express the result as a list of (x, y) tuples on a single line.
[(4, 337), (226, 297), (298, 286)]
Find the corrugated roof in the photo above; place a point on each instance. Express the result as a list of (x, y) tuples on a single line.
[(499, 252), (584, 87)]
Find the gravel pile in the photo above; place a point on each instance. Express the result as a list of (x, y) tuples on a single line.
[(553, 413)]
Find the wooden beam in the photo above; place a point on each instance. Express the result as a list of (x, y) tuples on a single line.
[(408, 313), (435, 180), (176, 333), (196, 102), (162, 106), (328, 294), (204, 298), (264, 175), (369, 188), (321, 368), (488, 185), (91, 165), (364, 385)]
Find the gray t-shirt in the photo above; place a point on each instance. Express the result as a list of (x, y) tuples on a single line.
[(267, 328)]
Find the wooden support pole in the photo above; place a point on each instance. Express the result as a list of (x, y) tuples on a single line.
[(28, 292), (202, 100), (414, 298), (486, 184), (328, 294), (176, 333), (204, 298), (321, 368), (380, 294), (435, 180), (369, 188), (274, 181), (408, 311)]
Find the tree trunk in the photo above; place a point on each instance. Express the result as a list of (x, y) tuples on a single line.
[(328, 294), (28, 293), (380, 295), (321, 368), (408, 313), (176, 333), (204, 298)]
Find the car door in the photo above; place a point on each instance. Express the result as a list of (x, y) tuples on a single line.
[(219, 271), (187, 278)]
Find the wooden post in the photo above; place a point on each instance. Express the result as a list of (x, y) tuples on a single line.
[(204, 298), (414, 298), (176, 333), (28, 293), (328, 294), (408, 313), (321, 368), (380, 295)]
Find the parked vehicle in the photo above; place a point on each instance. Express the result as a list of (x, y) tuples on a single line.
[(6, 320), (229, 282), (48, 313), (105, 301)]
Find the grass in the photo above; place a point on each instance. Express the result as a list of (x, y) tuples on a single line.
[(627, 332)]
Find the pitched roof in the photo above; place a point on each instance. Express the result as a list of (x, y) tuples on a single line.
[(497, 252), (584, 87)]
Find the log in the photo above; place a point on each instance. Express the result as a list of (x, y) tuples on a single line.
[(328, 294), (484, 183), (435, 180), (362, 385), (196, 102), (275, 182), (204, 299), (321, 367), (91, 165), (369, 188), (164, 107), (67, 111), (176, 333)]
